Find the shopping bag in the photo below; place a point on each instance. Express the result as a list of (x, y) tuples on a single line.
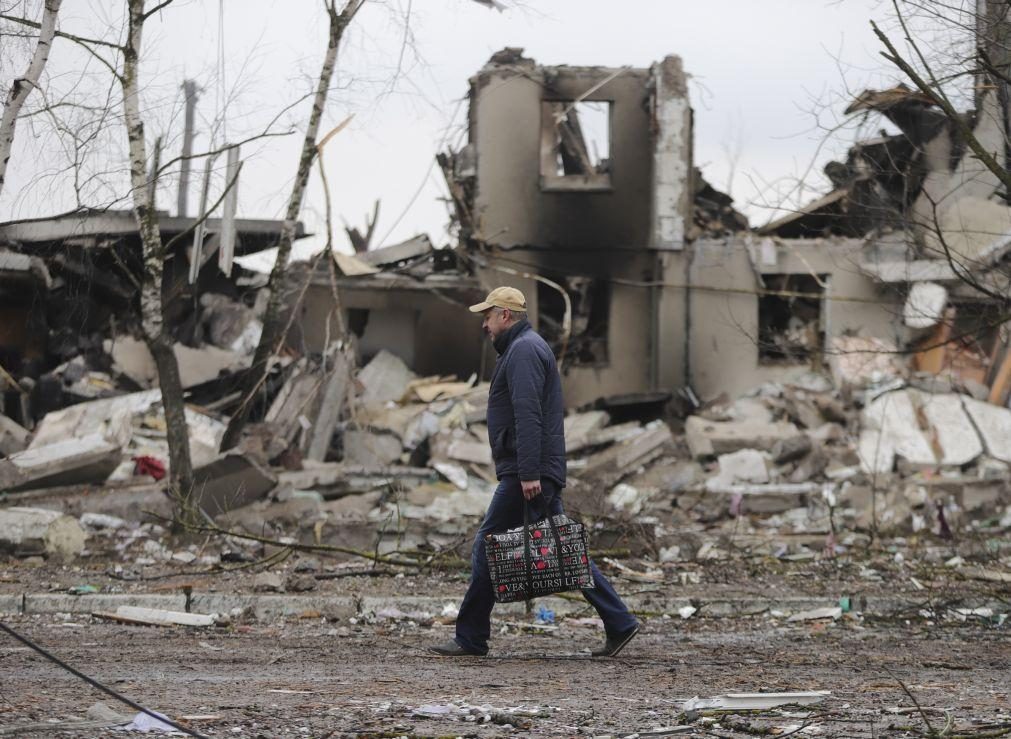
[(546, 556)]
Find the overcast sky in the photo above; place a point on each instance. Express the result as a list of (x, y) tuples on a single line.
[(761, 72)]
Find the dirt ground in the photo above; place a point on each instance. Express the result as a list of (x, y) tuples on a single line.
[(371, 676)]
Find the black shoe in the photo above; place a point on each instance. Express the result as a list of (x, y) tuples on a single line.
[(452, 649), (616, 643)]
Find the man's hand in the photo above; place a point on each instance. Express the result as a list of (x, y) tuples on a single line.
[(531, 488)]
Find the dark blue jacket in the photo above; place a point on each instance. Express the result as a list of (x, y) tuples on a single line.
[(525, 409)]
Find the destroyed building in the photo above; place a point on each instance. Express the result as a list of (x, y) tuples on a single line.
[(69, 295), (577, 186)]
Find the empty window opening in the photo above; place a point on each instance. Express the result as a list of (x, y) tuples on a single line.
[(576, 144), (358, 320), (591, 307), (791, 326)]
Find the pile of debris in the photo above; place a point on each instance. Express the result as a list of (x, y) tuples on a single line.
[(415, 463), (888, 456), (406, 465)]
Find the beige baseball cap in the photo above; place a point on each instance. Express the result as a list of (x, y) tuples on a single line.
[(502, 297)]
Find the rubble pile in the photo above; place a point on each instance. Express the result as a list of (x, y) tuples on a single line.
[(797, 470), (416, 469)]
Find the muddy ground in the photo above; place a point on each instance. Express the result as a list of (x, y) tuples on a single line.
[(364, 675)]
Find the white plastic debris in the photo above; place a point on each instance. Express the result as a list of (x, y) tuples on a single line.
[(143, 723), (756, 701), (817, 614), (626, 498), (450, 610), (96, 521)]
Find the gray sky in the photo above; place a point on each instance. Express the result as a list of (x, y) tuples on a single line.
[(760, 71)]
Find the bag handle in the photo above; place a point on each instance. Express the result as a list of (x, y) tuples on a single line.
[(527, 563)]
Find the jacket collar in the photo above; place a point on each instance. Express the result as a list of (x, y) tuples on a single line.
[(505, 338)]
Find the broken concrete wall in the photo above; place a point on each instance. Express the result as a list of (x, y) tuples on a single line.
[(616, 226), (723, 347), (434, 335), (626, 369), (940, 203), (669, 337), (512, 205), (672, 155)]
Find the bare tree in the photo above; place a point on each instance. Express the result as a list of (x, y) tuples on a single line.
[(22, 86), (274, 319), (142, 194), (988, 66), (155, 331)]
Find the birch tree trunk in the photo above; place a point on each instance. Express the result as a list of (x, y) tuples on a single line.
[(274, 318), (22, 86), (152, 319)]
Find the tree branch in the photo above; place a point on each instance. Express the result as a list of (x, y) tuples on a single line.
[(941, 100), (214, 152), (60, 34), (156, 8), (22, 87)]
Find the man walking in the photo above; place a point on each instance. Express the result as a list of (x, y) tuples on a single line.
[(525, 428)]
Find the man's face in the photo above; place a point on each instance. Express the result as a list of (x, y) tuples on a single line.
[(496, 320)]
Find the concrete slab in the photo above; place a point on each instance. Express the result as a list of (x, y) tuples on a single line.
[(745, 465), (925, 305), (578, 426), (994, 426), (370, 449), (858, 361), (110, 417), (87, 459), (11, 604), (890, 429), (65, 603), (954, 435), (385, 378), (710, 438), (231, 481), (132, 358), (271, 606), (39, 531)]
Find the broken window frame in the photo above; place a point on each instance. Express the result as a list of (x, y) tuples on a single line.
[(770, 355), (597, 181), (591, 299)]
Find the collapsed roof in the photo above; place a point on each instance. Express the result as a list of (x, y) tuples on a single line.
[(923, 181)]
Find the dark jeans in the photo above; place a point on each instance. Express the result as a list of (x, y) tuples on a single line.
[(473, 624)]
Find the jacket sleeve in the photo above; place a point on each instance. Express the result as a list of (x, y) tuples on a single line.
[(525, 375)]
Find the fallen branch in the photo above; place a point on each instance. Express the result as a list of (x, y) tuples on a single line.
[(331, 548)]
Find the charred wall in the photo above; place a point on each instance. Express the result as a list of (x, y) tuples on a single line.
[(513, 204), (730, 345)]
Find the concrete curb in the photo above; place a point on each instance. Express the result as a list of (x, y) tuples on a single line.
[(273, 606)]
